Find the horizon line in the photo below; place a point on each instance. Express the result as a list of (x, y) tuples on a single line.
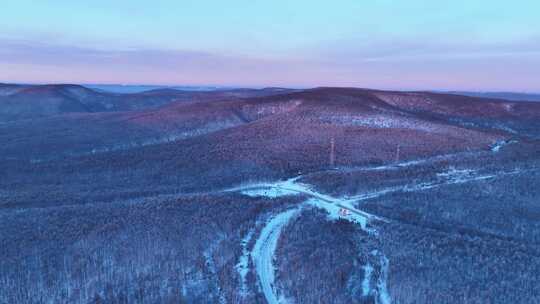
[(228, 86)]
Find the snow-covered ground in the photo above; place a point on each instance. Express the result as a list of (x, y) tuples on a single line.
[(335, 212), (449, 177), (337, 208), (209, 260), (383, 295), (243, 264), (264, 250), (293, 187), (384, 121), (496, 147), (366, 288), (405, 164), (263, 254)]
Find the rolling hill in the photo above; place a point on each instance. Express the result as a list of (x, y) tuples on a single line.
[(336, 195), (37, 101)]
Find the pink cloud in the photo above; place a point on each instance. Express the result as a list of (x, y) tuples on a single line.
[(402, 66)]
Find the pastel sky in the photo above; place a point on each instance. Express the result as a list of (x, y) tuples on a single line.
[(400, 44)]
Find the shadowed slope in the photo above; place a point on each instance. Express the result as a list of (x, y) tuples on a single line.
[(35, 101)]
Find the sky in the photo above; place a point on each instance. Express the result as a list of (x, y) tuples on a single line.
[(476, 45)]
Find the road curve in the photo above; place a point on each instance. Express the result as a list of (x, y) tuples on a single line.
[(265, 246), (263, 254)]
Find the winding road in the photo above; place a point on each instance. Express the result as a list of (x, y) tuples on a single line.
[(264, 249)]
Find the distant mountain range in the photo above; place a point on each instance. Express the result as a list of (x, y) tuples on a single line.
[(33, 101), (113, 88), (118, 88), (501, 95)]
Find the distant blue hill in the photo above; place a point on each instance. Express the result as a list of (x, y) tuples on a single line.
[(502, 95), (130, 89)]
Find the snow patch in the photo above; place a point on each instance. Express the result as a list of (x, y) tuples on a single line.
[(375, 194), (335, 212), (506, 128), (381, 121), (271, 192), (384, 296), (368, 270), (290, 187), (500, 144), (399, 165), (209, 260), (404, 164), (243, 264), (456, 176)]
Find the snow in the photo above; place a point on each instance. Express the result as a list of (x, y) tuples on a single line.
[(374, 194), (271, 192), (212, 266), (404, 164), (263, 254), (384, 296), (376, 270), (382, 121), (243, 264), (328, 203), (497, 147), (500, 144), (368, 270), (265, 246), (391, 166), (455, 176), (333, 211), (506, 128), (449, 177)]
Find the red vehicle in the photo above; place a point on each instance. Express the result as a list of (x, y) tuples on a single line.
[(344, 212)]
